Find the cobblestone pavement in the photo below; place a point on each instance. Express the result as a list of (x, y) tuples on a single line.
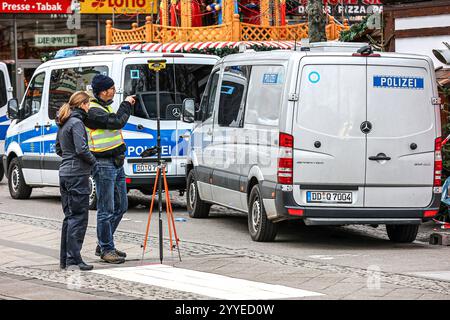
[(29, 250)]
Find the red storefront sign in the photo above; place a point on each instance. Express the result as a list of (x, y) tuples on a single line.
[(36, 6)]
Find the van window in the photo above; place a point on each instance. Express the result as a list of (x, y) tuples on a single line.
[(64, 82), (332, 99), (3, 97), (33, 96), (209, 98), (233, 94), (266, 90), (176, 83)]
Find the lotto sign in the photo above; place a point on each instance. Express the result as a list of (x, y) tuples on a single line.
[(36, 6), (118, 6), (398, 82)]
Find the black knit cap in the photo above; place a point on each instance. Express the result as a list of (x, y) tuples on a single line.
[(101, 83)]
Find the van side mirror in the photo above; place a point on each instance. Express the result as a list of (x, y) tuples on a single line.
[(188, 113), (13, 109)]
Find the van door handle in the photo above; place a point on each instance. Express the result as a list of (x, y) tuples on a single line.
[(379, 158), (209, 132), (37, 126), (48, 126)]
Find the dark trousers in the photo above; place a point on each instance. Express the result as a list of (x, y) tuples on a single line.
[(75, 202)]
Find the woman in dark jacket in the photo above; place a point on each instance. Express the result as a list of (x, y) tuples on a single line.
[(74, 171)]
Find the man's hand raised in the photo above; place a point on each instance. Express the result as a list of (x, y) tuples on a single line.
[(131, 100)]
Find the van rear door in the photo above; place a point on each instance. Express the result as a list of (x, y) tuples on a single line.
[(329, 147), (400, 111)]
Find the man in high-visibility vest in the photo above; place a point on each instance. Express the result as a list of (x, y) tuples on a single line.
[(107, 145)]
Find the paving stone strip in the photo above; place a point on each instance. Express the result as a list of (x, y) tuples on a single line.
[(77, 280), (197, 249)]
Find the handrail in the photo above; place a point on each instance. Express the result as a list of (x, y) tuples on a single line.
[(234, 31)]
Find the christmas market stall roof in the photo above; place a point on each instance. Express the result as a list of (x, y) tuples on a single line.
[(220, 48)]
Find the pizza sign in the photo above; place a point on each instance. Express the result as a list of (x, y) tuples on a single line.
[(350, 9)]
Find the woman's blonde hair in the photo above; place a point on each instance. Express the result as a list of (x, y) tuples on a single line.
[(75, 101)]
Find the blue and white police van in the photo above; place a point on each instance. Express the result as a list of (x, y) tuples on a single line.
[(5, 94), (30, 160)]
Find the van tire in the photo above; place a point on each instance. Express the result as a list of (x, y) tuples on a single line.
[(260, 227), (18, 189), (197, 208), (93, 194), (402, 233)]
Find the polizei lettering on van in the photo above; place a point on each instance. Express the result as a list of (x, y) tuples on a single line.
[(398, 82)]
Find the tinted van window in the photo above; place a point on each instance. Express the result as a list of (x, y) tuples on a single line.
[(64, 82), (33, 96), (233, 95), (176, 83), (3, 97)]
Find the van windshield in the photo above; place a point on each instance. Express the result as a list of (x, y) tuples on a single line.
[(176, 83)]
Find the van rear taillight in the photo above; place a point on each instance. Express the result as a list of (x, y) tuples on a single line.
[(285, 159), (430, 213), (437, 185)]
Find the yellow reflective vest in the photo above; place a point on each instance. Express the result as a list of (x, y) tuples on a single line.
[(101, 140)]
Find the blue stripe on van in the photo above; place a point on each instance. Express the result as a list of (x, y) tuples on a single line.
[(135, 147), (3, 129), (169, 141)]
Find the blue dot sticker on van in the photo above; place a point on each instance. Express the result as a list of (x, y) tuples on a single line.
[(314, 77), (134, 74), (397, 82)]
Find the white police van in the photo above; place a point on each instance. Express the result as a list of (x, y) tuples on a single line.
[(333, 136), (30, 159), (5, 94)]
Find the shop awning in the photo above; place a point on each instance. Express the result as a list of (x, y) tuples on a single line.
[(187, 46)]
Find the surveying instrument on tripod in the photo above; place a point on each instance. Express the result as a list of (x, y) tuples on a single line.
[(157, 65)]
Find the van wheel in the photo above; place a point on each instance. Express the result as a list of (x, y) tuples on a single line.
[(197, 208), (260, 227), (18, 189), (402, 233), (92, 195)]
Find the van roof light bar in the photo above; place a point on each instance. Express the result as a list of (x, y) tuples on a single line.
[(365, 51)]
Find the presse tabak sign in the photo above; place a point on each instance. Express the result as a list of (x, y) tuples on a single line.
[(36, 6)]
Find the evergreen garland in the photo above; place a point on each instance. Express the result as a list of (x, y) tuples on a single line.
[(222, 52), (355, 31)]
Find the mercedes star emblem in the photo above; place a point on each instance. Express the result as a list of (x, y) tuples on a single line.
[(176, 112), (366, 127)]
